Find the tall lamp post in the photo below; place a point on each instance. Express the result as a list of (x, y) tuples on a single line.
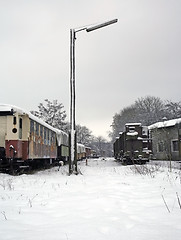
[(72, 133)]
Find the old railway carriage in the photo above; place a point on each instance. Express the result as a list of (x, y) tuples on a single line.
[(62, 146), (26, 140)]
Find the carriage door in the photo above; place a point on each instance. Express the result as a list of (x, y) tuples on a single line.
[(3, 127)]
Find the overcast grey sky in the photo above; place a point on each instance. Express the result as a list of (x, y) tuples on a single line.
[(138, 56)]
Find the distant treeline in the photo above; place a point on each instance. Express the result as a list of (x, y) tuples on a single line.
[(146, 110)]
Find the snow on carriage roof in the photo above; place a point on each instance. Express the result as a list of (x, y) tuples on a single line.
[(169, 123), (9, 108)]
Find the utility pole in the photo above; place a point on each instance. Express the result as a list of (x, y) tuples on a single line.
[(72, 132)]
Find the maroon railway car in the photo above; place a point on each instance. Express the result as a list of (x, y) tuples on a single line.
[(27, 140)]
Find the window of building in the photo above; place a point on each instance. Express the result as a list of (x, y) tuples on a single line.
[(174, 145), (161, 147)]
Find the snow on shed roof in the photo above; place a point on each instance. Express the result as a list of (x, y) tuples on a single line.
[(163, 124), (12, 108), (133, 124)]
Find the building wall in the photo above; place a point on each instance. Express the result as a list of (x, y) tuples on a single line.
[(162, 143)]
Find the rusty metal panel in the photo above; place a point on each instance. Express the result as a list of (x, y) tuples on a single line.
[(25, 150), (17, 145)]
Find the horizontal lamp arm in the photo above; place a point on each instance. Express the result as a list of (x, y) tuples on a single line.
[(89, 29)]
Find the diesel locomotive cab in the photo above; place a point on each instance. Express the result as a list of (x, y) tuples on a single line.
[(133, 145)]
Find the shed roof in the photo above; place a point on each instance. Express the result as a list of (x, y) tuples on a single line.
[(164, 124)]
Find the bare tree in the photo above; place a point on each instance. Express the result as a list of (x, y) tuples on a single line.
[(126, 115), (83, 135), (150, 109), (146, 110), (174, 109), (52, 113)]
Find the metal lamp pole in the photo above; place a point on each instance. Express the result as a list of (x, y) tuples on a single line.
[(72, 132)]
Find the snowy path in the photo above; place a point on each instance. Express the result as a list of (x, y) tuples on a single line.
[(107, 202)]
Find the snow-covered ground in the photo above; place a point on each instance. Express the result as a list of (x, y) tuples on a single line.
[(107, 202)]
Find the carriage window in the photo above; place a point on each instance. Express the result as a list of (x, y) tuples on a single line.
[(37, 128), (41, 131), (14, 120), (144, 132), (131, 129), (66, 140), (31, 126), (20, 123), (20, 128), (53, 138), (14, 130), (45, 135), (50, 137)]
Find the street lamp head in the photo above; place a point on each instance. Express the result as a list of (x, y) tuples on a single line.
[(97, 26)]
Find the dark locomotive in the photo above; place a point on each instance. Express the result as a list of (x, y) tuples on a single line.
[(133, 145)]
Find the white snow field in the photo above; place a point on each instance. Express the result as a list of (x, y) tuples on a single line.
[(107, 202)]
